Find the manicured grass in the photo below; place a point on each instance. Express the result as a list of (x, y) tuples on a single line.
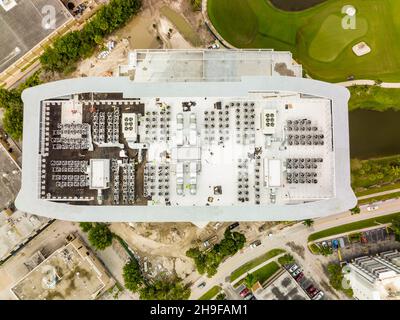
[(182, 25), (353, 226), (262, 274), (210, 293), (254, 263), (332, 39), (378, 189), (266, 272), (379, 198), (322, 46)]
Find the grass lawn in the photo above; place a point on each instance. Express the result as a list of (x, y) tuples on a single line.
[(315, 36), (254, 263), (210, 293), (262, 274), (182, 25), (334, 39), (353, 226), (374, 98), (369, 191), (379, 198)]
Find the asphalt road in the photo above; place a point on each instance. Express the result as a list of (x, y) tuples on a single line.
[(297, 234)]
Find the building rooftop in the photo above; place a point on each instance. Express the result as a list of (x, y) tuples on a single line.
[(209, 65), (16, 228), (70, 273), (376, 277), (23, 26), (245, 147)]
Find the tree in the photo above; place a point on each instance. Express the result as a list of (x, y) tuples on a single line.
[(336, 279), (396, 227), (100, 236), (355, 210), (132, 275), (165, 290), (208, 262), (286, 259), (11, 103), (250, 280), (86, 226), (308, 222), (221, 296), (75, 45)]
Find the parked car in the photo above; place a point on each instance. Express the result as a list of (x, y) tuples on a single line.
[(255, 244), (293, 268), (253, 297), (299, 276), (311, 290), (296, 272), (233, 225), (244, 292), (248, 296), (201, 285), (318, 296)]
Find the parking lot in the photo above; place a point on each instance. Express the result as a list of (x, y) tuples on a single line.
[(283, 287), (10, 180), (368, 242)]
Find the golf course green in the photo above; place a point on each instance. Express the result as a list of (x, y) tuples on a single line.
[(316, 37)]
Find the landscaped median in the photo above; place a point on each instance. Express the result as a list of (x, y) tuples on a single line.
[(384, 197), (358, 225), (211, 293), (263, 274), (254, 263)]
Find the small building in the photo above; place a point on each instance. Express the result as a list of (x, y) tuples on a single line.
[(72, 272), (16, 229)]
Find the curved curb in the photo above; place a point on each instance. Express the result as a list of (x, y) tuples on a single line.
[(210, 26)]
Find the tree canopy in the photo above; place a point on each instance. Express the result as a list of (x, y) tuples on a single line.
[(165, 290), (86, 226), (75, 45), (308, 222), (11, 103), (396, 227), (100, 236), (132, 275), (208, 262)]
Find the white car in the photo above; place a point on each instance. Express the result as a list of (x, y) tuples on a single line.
[(318, 296), (293, 268), (296, 272)]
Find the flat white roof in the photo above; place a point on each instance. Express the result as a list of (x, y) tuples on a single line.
[(275, 171), (307, 152), (99, 173)]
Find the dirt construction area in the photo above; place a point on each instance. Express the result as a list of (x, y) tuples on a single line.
[(161, 247), (161, 24)]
